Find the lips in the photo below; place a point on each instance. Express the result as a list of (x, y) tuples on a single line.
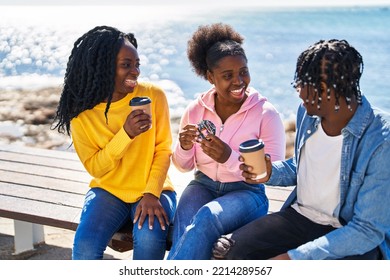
[(131, 83)]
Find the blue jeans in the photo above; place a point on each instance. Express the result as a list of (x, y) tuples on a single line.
[(208, 209), (103, 214)]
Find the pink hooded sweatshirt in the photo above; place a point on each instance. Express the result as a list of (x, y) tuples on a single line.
[(256, 119)]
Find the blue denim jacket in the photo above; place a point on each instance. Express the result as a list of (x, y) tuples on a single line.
[(364, 185)]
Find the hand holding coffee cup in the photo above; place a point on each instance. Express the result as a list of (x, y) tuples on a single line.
[(252, 152), (142, 103)]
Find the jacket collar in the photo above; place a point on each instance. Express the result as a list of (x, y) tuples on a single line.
[(360, 120)]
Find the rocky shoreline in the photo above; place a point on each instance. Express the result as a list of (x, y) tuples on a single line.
[(26, 118)]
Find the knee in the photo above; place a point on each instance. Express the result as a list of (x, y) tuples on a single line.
[(208, 218), (149, 244), (145, 237)]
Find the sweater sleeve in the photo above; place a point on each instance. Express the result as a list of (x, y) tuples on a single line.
[(98, 161)]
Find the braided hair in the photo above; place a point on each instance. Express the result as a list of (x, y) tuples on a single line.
[(210, 43), (337, 64), (90, 74)]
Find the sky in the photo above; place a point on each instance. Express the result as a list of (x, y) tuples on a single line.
[(200, 2)]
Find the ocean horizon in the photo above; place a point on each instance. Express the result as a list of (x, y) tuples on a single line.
[(35, 43)]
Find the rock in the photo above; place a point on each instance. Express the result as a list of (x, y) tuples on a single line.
[(26, 118)]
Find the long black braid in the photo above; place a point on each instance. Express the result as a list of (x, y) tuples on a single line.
[(210, 43), (334, 62), (90, 74)]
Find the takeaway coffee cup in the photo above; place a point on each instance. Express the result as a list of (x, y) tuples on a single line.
[(253, 153), (142, 102)]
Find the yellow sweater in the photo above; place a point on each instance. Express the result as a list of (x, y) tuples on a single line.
[(125, 167)]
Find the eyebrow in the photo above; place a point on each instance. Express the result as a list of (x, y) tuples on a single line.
[(128, 59), (229, 70)]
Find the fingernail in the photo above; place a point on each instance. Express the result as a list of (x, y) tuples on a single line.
[(150, 227)]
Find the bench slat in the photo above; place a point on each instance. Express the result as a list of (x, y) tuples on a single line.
[(71, 164), (36, 194), (39, 212), (278, 193), (39, 152), (53, 172), (44, 182), (277, 196)]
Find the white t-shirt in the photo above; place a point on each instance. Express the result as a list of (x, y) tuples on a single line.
[(318, 182)]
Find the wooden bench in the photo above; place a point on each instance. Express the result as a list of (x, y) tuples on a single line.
[(40, 187), (47, 187)]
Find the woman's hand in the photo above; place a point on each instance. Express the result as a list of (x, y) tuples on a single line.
[(188, 136), (150, 206), (216, 148), (137, 122), (249, 177)]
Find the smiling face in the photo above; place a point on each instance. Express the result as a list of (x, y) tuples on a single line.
[(127, 70), (231, 79)]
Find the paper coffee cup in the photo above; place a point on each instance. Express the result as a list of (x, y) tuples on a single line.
[(142, 103), (253, 153)]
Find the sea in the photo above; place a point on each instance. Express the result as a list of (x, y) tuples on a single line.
[(35, 43)]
